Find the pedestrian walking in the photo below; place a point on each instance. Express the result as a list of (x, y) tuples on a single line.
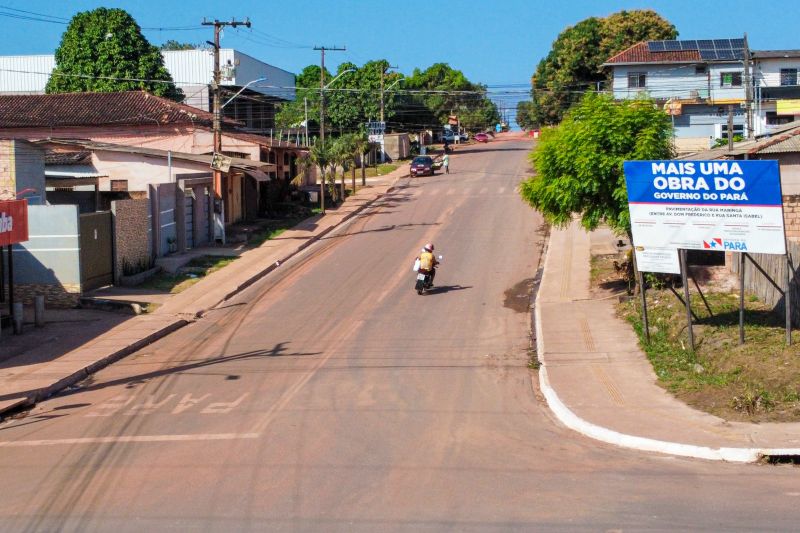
[(446, 163)]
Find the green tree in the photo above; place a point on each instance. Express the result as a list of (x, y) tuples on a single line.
[(525, 117), (579, 163), (430, 96), (172, 44), (104, 51), (574, 64)]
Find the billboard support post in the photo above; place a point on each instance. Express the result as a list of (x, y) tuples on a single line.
[(642, 295), (685, 277), (787, 297), (742, 263)]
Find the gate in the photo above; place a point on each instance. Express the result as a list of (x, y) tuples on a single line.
[(97, 263), (189, 218)]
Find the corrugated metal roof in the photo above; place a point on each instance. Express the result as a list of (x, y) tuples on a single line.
[(25, 74), (790, 144)]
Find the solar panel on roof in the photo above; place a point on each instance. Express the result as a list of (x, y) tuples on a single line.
[(655, 46), (737, 43), (708, 55), (672, 46), (689, 44), (725, 54), (705, 44), (722, 44)]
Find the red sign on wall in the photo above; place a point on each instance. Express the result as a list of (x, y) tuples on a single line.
[(13, 221)]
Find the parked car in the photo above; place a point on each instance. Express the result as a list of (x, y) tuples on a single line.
[(450, 136), (421, 166), (481, 138)]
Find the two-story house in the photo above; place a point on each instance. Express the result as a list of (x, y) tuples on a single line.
[(776, 89), (699, 83)]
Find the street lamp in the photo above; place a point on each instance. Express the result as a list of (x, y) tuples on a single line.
[(246, 85), (322, 130), (322, 103)]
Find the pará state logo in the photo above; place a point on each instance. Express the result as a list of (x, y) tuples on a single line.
[(725, 244), (713, 244)]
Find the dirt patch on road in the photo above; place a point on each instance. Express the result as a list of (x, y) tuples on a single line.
[(518, 297)]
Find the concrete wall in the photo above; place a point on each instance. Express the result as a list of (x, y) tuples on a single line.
[(132, 235), (397, 146), (49, 263), (21, 168)]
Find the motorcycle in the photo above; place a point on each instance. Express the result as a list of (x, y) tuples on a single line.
[(424, 279)]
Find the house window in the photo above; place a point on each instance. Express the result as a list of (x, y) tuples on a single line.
[(700, 69), (788, 76), (774, 119), (637, 80), (730, 79), (285, 158), (119, 185)]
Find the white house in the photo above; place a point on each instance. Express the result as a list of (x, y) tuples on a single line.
[(699, 82), (777, 93), (193, 72)]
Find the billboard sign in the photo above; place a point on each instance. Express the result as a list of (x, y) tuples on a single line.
[(662, 260), (13, 222), (706, 205)]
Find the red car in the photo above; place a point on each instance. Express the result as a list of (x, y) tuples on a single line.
[(422, 166), (481, 138)]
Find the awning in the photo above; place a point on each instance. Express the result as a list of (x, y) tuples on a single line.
[(258, 175)]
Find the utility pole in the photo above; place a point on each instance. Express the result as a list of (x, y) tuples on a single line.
[(748, 90), (383, 122), (322, 113), (217, 126), (730, 128)]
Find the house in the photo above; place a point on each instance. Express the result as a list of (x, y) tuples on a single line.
[(699, 83), (22, 174), (193, 72), (139, 119), (776, 89)]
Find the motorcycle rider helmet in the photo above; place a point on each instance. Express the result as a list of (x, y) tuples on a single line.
[(429, 247)]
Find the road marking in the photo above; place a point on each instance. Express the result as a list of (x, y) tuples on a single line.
[(130, 438)]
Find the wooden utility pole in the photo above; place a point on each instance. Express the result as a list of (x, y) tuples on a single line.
[(217, 125), (322, 113), (748, 90)]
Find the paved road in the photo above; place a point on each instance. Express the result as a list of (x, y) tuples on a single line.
[(331, 397)]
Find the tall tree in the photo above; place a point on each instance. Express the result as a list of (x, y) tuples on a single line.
[(573, 65), (440, 91), (104, 51), (579, 163)]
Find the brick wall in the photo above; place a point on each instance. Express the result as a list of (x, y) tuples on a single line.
[(60, 296), (791, 216), (132, 242)]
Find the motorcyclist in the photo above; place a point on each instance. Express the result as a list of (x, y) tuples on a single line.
[(428, 262)]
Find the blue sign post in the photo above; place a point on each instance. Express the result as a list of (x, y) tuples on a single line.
[(720, 205)]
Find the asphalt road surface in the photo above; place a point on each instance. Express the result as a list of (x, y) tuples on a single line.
[(331, 397)]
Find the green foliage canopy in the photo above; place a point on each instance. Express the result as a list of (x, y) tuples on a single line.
[(104, 51), (579, 163), (574, 64)]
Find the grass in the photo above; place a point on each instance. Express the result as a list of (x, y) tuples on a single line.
[(372, 172), (275, 228), (758, 381), (191, 273)]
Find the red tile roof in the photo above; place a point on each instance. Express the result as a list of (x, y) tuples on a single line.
[(95, 109), (639, 53)]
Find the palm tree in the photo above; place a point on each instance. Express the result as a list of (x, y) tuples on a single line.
[(321, 156)]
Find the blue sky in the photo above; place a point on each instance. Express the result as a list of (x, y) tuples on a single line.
[(495, 42)]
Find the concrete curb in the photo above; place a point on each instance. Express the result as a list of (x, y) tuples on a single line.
[(575, 423), (45, 392), (272, 266)]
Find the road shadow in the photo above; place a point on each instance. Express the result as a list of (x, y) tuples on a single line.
[(278, 350), (443, 289), (382, 229), (488, 149)]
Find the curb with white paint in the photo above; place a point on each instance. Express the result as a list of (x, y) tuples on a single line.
[(576, 423)]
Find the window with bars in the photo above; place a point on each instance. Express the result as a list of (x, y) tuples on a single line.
[(788, 76), (730, 79), (637, 80)]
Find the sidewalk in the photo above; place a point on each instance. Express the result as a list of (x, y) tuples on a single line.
[(36, 374), (598, 382)]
